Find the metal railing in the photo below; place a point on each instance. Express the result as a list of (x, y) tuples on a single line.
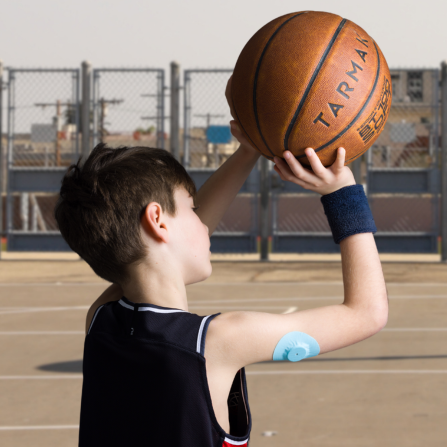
[(49, 124), (46, 120), (403, 180)]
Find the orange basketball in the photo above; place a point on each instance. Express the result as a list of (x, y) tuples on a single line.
[(311, 79)]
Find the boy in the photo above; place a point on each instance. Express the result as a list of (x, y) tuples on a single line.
[(155, 374)]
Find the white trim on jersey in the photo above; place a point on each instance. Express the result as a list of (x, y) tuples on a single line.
[(230, 441), (159, 311), (151, 309), (94, 318), (125, 305), (199, 337)]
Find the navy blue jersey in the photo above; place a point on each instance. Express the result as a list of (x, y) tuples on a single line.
[(145, 382)]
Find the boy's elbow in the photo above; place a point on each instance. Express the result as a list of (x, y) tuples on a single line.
[(373, 318), (381, 319), (378, 317)]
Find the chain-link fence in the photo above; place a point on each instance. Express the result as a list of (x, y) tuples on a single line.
[(42, 119), (206, 137), (42, 125), (403, 172), (128, 107), (298, 223), (410, 138)]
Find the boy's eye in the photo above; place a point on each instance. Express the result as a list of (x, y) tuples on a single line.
[(195, 208)]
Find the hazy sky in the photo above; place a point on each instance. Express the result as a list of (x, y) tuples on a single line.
[(199, 33)]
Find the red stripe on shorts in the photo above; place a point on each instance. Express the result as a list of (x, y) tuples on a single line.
[(226, 444)]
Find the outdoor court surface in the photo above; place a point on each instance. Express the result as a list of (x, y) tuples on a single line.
[(388, 391)]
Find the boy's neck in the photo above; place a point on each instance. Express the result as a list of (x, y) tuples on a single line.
[(158, 284)]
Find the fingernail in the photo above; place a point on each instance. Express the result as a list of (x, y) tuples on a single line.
[(287, 154), (309, 152)]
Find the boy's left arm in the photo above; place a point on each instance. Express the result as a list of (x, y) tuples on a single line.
[(216, 195)]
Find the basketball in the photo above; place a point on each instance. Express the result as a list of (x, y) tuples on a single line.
[(311, 79)]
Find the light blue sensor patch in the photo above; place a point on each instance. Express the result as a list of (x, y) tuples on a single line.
[(296, 346)]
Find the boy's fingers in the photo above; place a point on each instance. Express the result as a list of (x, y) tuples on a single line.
[(284, 169), (234, 127), (315, 162), (339, 162), (289, 174), (236, 131), (279, 173), (238, 134), (228, 95), (228, 87), (297, 169), (282, 166)]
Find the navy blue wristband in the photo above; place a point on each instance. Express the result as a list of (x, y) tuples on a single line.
[(347, 211)]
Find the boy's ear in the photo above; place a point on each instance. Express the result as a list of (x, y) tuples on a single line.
[(153, 222)]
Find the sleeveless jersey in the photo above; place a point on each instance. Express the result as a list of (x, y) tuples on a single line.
[(145, 382)]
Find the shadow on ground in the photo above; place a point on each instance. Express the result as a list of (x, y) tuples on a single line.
[(75, 366), (360, 359)]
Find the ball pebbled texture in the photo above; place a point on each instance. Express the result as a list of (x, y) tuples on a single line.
[(311, 79)]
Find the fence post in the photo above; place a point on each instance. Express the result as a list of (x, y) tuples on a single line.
[(161, 110), (2, 170), (264, 215), (175, 110), (85, 108), (444, 161)]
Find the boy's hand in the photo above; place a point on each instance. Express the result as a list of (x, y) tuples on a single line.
[(228, 96), (234, 126), (322, 180), (238, 134)]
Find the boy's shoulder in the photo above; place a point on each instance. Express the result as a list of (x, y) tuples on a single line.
[(112, 293)]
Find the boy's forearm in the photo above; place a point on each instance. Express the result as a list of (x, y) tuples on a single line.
[(364, 284), (216, 195)]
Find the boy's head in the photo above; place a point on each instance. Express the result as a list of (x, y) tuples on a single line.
[(109, 208)]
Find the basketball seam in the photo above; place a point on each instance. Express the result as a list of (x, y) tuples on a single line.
[(255, 82), (310, 84), (359, 114)]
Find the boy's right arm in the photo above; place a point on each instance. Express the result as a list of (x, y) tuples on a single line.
[(237, 339), (251, 337)]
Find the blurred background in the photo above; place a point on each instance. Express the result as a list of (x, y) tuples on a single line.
[(55, 108), (154, 74)]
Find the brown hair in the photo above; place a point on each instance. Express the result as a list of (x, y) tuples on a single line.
[(102, 201)]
